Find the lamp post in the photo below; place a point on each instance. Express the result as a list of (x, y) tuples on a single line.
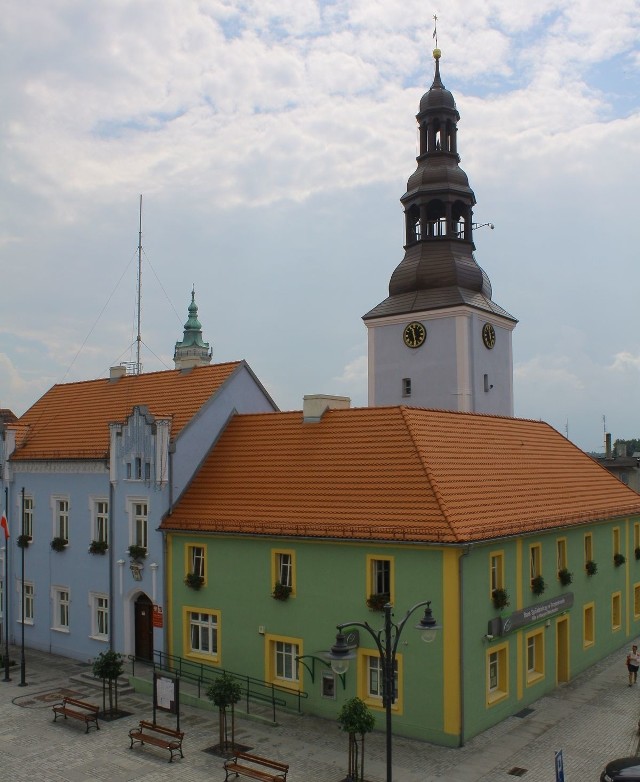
[(386, 639)]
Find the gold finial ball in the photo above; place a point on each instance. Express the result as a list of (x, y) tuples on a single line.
[(437, 54)]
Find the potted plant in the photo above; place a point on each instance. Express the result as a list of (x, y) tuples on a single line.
[(591, 567), (565, 576), (281, 591), (225, 692), (377, 602), (59, 544), (24, 540), (98, 547), (537, 585), (500, 599), (356, 719), (619, 559), (137, 553), (193, 580)]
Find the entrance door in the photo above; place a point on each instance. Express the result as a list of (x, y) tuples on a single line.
[(562, 650), (144, 627)]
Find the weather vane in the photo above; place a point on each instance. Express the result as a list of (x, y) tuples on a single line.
[(435, 29)]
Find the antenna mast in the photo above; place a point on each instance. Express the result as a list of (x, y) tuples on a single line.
[(139, 336)]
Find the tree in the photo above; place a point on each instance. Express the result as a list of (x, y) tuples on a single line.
[(108, 666), (225, 692), (356, 720)]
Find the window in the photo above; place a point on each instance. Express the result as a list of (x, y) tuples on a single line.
[(371, 680), (101, 521), (588, 625), (129, 470), (497, 674), (283, 569), (28, 517), (196, 561), (636, 601), (616, 610), (380, 579), (99, 617), (61, 519), (535, 656), (588, 548), (636, 536), (406, 386), (561, 554), (138, 464), (535, 561), (616, 540), (140, 524), (203, 634), (281, 661), (147, 471), (61, 609), (29, 602), (496, 571)]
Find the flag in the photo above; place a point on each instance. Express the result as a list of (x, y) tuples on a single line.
[(5, 526)]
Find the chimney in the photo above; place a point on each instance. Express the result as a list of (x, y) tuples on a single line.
[(608, 445), (115, 373), (314, 406)]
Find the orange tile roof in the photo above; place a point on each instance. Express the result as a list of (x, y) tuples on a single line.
[(396, 473), (71, 421)]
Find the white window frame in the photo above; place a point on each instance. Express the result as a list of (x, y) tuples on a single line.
[(28, 517), (61, 599), (206, 624), (284, 661), (100, 519), (100, 616), (381, 576), (139, 522), (284, 565), (61, 515), (196, 560), (374, 670), (29, 602)]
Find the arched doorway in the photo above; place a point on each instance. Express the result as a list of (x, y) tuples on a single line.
[(144, 627)]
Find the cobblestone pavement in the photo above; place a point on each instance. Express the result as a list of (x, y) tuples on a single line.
[(593, 719)]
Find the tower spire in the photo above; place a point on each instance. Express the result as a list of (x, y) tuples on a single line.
[(439, 288), (192, 351)]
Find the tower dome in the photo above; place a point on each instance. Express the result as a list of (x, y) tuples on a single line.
[(192, 351)]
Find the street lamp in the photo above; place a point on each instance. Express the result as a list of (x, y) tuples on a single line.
[(386, 639)]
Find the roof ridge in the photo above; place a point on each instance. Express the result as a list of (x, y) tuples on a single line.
[(442, 505)]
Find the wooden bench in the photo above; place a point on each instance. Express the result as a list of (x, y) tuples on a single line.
[(78, 710), (237, 765), (159, 736)]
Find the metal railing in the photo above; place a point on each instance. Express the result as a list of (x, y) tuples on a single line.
[(203, 676)]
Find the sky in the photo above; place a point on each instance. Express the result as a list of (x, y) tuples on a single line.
[(271, 141)]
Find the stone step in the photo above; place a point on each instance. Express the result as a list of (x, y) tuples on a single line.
[(87, 679)]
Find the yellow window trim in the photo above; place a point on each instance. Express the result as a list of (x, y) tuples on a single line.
[(537, 547), (362, 662), (213, 659), (616, 597), (561, 546), (499, 555), (588, 547), (588, 643), (615, 540), (187, 559), (270, 661), (502, 691), (275, 552), (371, 558), (533, 677)]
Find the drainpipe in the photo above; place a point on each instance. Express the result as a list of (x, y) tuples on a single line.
[(462, 666), (111, 565)]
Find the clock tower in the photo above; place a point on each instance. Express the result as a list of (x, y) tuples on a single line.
[(439, 340)]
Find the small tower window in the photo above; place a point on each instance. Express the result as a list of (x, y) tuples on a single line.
[(406, 386)]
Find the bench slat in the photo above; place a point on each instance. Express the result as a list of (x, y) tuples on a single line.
[(89, 716), (234, 766)]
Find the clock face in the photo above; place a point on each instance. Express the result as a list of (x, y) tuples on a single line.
[(488, 335), (414, 335)]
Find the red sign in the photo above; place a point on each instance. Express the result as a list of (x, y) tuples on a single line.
[(157, 616)]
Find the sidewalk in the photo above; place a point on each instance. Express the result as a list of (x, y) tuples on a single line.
[(593, 719)]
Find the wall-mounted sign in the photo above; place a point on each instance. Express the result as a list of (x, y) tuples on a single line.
[(157, 616), (502, 625)]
